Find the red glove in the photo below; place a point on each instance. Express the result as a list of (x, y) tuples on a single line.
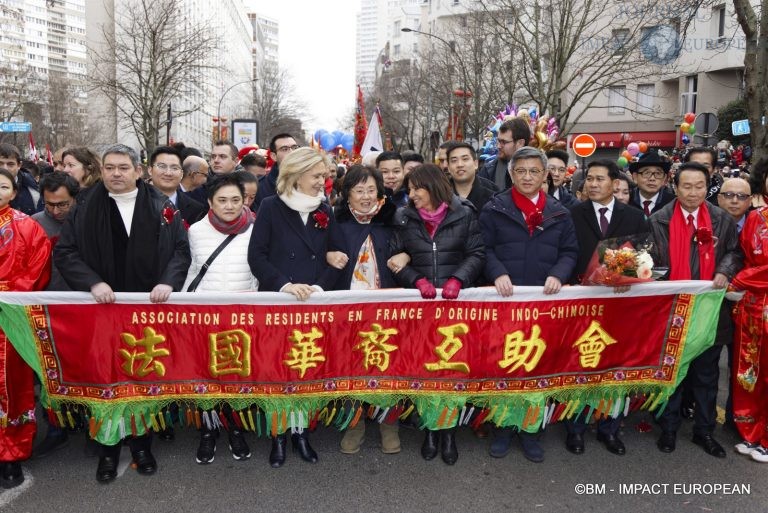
[(451, 288), (426, 288)]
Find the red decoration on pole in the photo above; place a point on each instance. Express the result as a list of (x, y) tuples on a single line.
[(361, 125)]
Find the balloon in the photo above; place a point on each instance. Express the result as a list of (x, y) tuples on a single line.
[(319, 134), (532, 112), (627, 155), (690, 117), (685, 139), (622, 162), (633, 149), (691, 129), (338, 135), (348, 141), (684, 127), (643, 147), (327, 142)]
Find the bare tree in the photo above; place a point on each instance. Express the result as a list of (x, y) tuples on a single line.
[(150, 58), (275, 105), (755, 27)]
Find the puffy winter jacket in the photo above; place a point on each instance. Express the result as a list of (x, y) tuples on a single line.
[(230, 271), (528, 259), (456, 251)]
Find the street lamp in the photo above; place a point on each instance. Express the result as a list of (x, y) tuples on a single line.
[(218, 111)]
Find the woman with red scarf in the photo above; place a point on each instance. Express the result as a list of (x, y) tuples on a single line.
[(750, 350), (225, 231), (440, 233), (25, 253)]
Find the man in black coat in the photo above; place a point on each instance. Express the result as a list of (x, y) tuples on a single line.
[(695, 240), (166, 172), (279, 147), (600, 218), (462, 166), (651, 174), (109, 245), (28, 199), (514, 134), (557, 167)]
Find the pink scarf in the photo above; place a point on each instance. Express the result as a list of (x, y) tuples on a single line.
[(433, 219), (239, 225)]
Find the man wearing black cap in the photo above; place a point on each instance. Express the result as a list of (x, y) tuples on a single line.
[(651, 174)]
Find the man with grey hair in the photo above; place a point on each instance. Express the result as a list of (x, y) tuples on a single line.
[(529, 239), (195, 171), (109, 245)]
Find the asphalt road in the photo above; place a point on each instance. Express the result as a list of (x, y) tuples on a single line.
[(645, 480)]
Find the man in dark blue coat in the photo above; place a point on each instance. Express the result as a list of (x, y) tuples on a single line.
[(514, 134), (279, 147), (529, 240)]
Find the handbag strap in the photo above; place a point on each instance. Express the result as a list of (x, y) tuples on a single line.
[(204, 269)]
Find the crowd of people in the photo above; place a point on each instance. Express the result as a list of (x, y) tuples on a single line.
[(307, 225)]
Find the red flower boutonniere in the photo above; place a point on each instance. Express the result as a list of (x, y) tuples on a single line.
[(168, 214), (704, 236), (321, 219), (535, 219)]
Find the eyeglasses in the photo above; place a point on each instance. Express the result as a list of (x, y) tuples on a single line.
[(165, 167), (652, 174), (739, 195), (502, 142), (62, 205), (283, 149), (534, 172)]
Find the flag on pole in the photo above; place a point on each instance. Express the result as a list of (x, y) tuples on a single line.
[(372, 140), (48, 155), (32, 149), (360, 126)]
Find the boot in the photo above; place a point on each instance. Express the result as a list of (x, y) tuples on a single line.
[(301, 445), (429, 446), (11, 475), (277, 454), (353, 438), (142, 455), (109, 459), (448, 449), (390, 439)]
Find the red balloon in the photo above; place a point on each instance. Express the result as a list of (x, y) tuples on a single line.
[(690, 117), (643, 147)]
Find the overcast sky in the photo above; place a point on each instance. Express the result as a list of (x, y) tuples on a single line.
[(317, 47)]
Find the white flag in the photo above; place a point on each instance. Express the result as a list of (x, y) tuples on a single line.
[(372, 140)]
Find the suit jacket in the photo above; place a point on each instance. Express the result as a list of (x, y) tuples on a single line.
[(191, 210), (665, 196), (625, 221)]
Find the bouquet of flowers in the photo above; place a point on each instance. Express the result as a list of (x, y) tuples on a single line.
[(616, 262)]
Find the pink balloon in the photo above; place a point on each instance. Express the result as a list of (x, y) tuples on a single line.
[(633, 149)]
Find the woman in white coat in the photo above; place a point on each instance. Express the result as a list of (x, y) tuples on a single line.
[(221, 240)]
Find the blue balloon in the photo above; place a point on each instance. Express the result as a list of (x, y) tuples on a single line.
[(348, 141), (319, 134), (685, 139), (327, 141), (338, 136)]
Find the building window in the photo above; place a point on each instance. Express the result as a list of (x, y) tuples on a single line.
[(396, 50), (616, 99), (718, 18), (620, 38), (396, 29), (645, 94)]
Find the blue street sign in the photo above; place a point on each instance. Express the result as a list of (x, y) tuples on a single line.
[(12, 126), (740, 127)]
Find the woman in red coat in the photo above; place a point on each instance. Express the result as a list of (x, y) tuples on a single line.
[(25, 254), (750, 349)]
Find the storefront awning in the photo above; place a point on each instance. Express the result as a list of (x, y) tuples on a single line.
[(619, 140)]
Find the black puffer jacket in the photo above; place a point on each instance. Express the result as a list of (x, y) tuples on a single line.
[(457, 249)]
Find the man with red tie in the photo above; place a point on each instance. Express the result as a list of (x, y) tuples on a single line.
[(696, 241)]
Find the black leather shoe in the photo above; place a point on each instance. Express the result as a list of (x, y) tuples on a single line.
[(277, 454), (448, 449), (574, 442), (710, 445), (613, 443), (144, 461), (429, 446), (301, 445), (106, 472), (666, 442), (11, 474)]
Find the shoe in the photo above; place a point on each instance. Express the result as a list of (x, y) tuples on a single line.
[(448, 449), (238, 445), (277, 454), (144, 461), (11, 474), (50, 444), (106, 472), (686, 412), (745, 447), (613, 443), (390, 438), (167, 434), (531, 448), (710, 445), (501, 443), (666, 442), (301, 445), (574, 442), (429, 445), (353, 438), (206, 450), (760, 454)]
